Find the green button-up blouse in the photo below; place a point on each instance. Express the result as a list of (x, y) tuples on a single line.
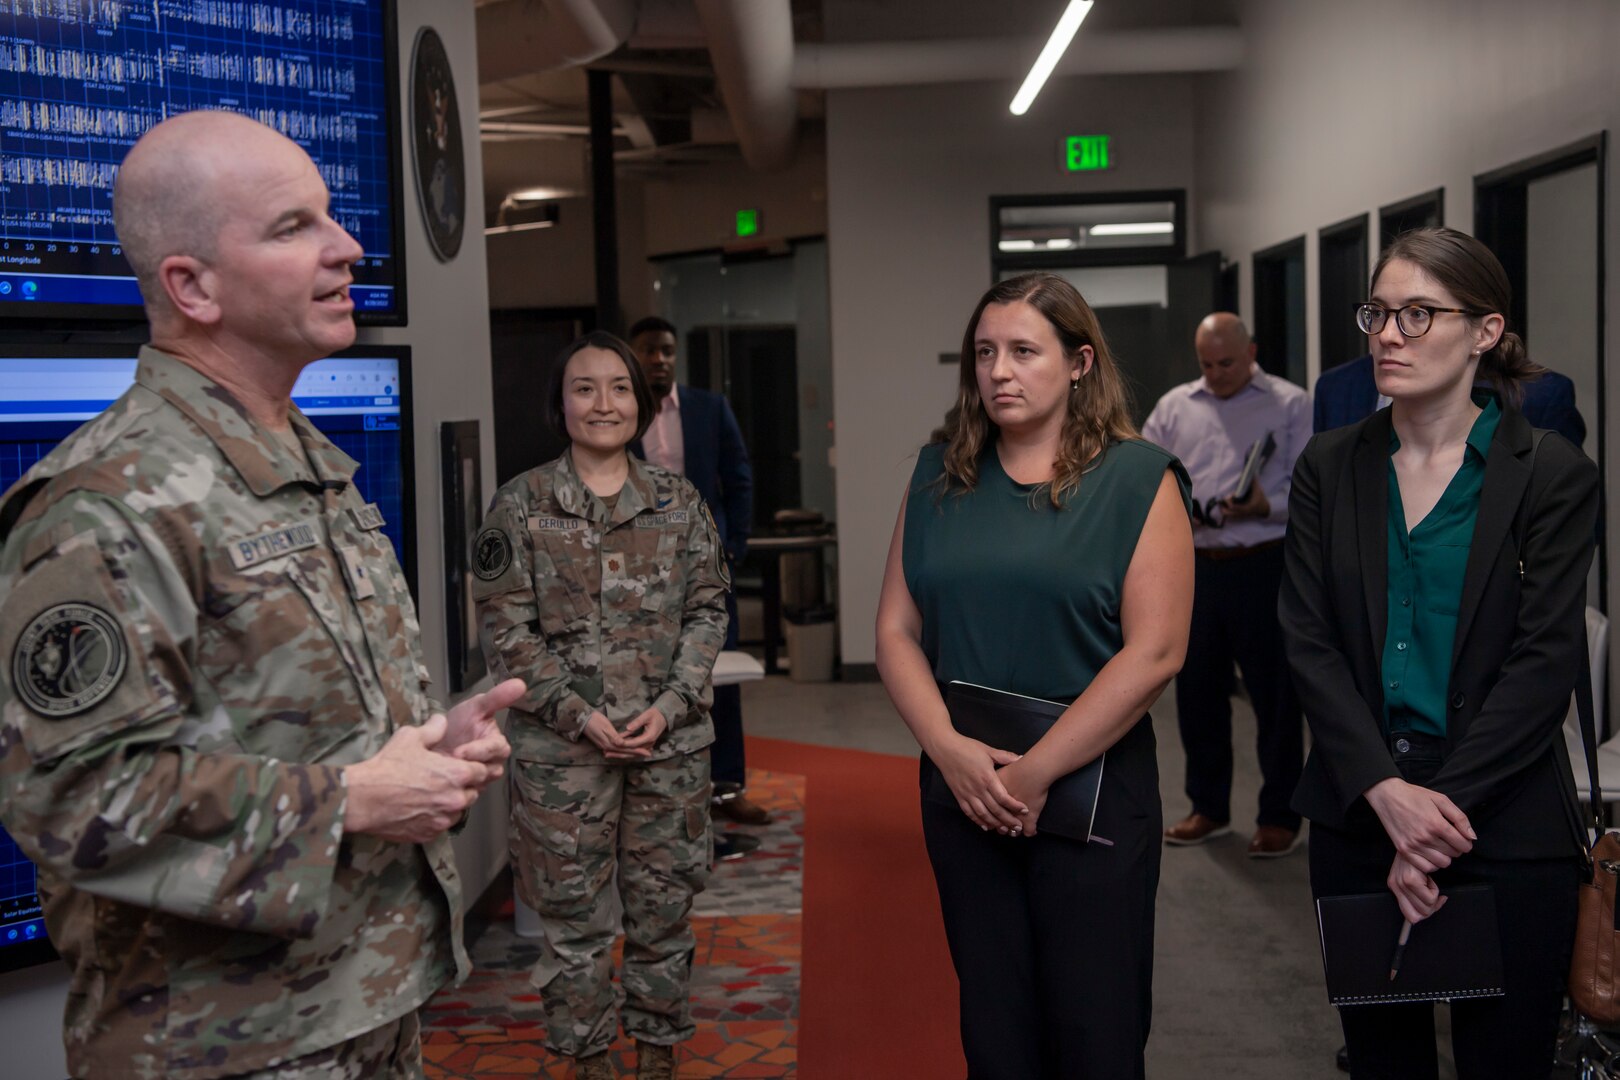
[(1426, 567)]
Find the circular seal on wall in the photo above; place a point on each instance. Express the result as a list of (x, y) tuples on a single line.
[(441, 170), (68, 660), (492, 554)]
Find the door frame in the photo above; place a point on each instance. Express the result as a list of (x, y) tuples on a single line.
[(1361, 225)]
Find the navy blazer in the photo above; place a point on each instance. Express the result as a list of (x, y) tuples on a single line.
[(1346, 394), (717, 465), (1521, 634)]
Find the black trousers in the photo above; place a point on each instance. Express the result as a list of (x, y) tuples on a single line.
[(1052, 939), (1506, 1038), (1235, 619), (728, 761)]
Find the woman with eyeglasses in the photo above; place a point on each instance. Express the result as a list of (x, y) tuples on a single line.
[(1433, 610)]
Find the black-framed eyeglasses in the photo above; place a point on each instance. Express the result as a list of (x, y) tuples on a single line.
[(1413, 320)]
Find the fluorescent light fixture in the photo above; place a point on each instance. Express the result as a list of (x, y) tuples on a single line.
[(1016, 245), (1134, 228), (540, 194), (1068, 23), (494, 230), (1060, 244)]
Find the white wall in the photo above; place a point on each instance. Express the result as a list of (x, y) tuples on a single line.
[(910, 172)]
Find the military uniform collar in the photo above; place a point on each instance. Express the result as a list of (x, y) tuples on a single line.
[(639, 493), (263, 461)]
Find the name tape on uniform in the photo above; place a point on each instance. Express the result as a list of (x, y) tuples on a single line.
[(273, 544), (556, 524), (658, 521)]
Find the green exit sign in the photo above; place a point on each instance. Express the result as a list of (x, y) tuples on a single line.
[(1086, 153), (748, 223)]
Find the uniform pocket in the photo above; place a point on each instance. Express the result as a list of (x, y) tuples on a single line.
[(563, 862)]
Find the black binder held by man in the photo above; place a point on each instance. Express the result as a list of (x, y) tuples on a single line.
[(1016, 723)]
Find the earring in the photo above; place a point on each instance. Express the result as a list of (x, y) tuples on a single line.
[(1074, 383)]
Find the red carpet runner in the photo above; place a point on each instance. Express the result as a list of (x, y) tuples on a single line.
[(878, 998)]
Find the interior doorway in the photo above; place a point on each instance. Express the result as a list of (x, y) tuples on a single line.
[(523, 346), (1279, 309), (1341, 277), (1423, 211), (1544, 217), (756, 369)]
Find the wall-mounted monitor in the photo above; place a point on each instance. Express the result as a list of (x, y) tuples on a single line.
[(80, 81), (360, 399)]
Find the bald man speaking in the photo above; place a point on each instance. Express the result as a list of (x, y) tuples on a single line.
[(216, 739), (1212, 424)]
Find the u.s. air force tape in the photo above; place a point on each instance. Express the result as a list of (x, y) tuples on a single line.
[(492, 554), (68, 659)]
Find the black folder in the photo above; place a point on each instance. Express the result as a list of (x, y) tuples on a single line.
[(1015, 722), (1454, 954)]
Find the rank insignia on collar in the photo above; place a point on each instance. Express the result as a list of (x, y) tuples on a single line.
[(68, 660), (492, 554)]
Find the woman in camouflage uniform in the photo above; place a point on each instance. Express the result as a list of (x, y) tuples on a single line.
[(601, 581)]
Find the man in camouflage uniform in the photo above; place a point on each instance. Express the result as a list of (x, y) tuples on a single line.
[(215, 736), (611, 611)]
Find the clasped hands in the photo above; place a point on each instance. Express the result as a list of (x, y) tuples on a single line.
[(1428, 831), (996, 789), (637, 741)]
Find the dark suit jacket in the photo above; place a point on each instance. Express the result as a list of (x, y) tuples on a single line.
[(1520, 634), (1347, 393), (717, 465)]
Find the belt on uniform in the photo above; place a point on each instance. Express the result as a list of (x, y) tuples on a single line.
[(1220, 554)]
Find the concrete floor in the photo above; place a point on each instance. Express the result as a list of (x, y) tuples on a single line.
[(1238, 973)]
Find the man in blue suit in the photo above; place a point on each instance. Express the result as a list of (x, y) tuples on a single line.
[(696, 434), (1347, 393)]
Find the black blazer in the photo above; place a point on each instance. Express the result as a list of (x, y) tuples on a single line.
[(1521, 632)]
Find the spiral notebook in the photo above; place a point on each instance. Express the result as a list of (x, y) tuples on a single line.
[(1015, 722), (1454, 954)]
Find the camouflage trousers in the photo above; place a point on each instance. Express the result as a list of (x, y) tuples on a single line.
[(573, 826), (391, 1052)]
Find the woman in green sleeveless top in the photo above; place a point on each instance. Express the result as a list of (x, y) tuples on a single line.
[(1044, 550)]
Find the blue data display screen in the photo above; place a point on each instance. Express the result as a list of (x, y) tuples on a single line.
[(81, 80)]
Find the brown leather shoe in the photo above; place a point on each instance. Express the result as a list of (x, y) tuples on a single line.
[(743, 810), (1273, 842), (654, 1062), (1195, 828), (597, 1066)]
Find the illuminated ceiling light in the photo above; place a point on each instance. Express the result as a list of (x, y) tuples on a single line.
[(540, 194), (496, 230), (1017, 245), (1134, 228), (1060, 244), (1068, 23)]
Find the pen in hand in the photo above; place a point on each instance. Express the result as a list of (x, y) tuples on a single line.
[(1400, 947)]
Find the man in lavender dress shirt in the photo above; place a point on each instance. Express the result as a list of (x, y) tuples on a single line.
[(1210, 424)]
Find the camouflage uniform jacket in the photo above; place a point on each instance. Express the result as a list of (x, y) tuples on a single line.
[(197, 633), (601, 611)]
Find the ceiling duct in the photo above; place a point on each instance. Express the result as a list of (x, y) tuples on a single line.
[(521, 37), (751, 47)]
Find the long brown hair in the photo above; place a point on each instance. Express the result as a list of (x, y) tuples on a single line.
[(1468, 270), (1098, 410)]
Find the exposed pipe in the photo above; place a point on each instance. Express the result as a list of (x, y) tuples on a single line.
[(1118, 52), (521, 37), (751, 46)]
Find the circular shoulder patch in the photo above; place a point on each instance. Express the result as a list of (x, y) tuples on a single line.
[(492, 554), (68, 660)]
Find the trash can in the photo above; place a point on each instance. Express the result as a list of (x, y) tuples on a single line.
[(803, 572), (812, 639)]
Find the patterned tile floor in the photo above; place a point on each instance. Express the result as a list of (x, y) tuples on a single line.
[(745, 979)]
